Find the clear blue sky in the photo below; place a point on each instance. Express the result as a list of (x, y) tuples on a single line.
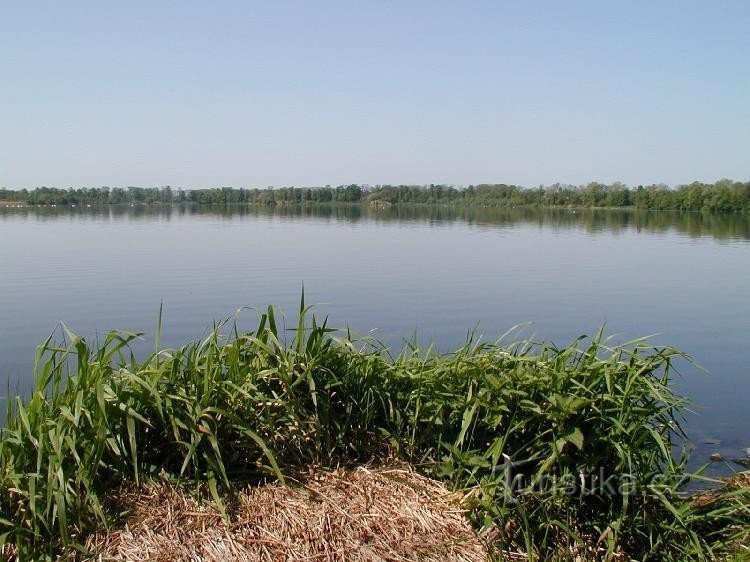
[(214, 93)]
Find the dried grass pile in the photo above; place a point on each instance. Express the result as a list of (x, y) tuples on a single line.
[(360, 515)]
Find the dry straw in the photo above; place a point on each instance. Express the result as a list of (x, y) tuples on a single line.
[(389, 514)]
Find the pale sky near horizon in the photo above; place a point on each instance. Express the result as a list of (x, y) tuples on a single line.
[(199, 94)]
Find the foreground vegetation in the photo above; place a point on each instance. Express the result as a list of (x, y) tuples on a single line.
[(722, 196), (558, 451)]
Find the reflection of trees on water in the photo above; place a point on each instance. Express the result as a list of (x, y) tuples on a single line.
[(718, 226)]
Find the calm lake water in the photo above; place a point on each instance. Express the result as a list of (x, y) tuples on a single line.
[(437, 272)]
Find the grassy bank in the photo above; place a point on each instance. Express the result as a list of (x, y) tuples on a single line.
[(556, 450)]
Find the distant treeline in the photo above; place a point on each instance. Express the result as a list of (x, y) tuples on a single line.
[(722, 196)]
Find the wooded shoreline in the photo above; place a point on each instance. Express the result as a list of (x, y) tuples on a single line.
[(725, 196)]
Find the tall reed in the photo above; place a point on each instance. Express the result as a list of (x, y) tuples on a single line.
[(248, 407)]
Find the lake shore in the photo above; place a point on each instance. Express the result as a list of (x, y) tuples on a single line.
[(526, 433)]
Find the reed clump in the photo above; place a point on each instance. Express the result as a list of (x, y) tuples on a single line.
[(554, 452)]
